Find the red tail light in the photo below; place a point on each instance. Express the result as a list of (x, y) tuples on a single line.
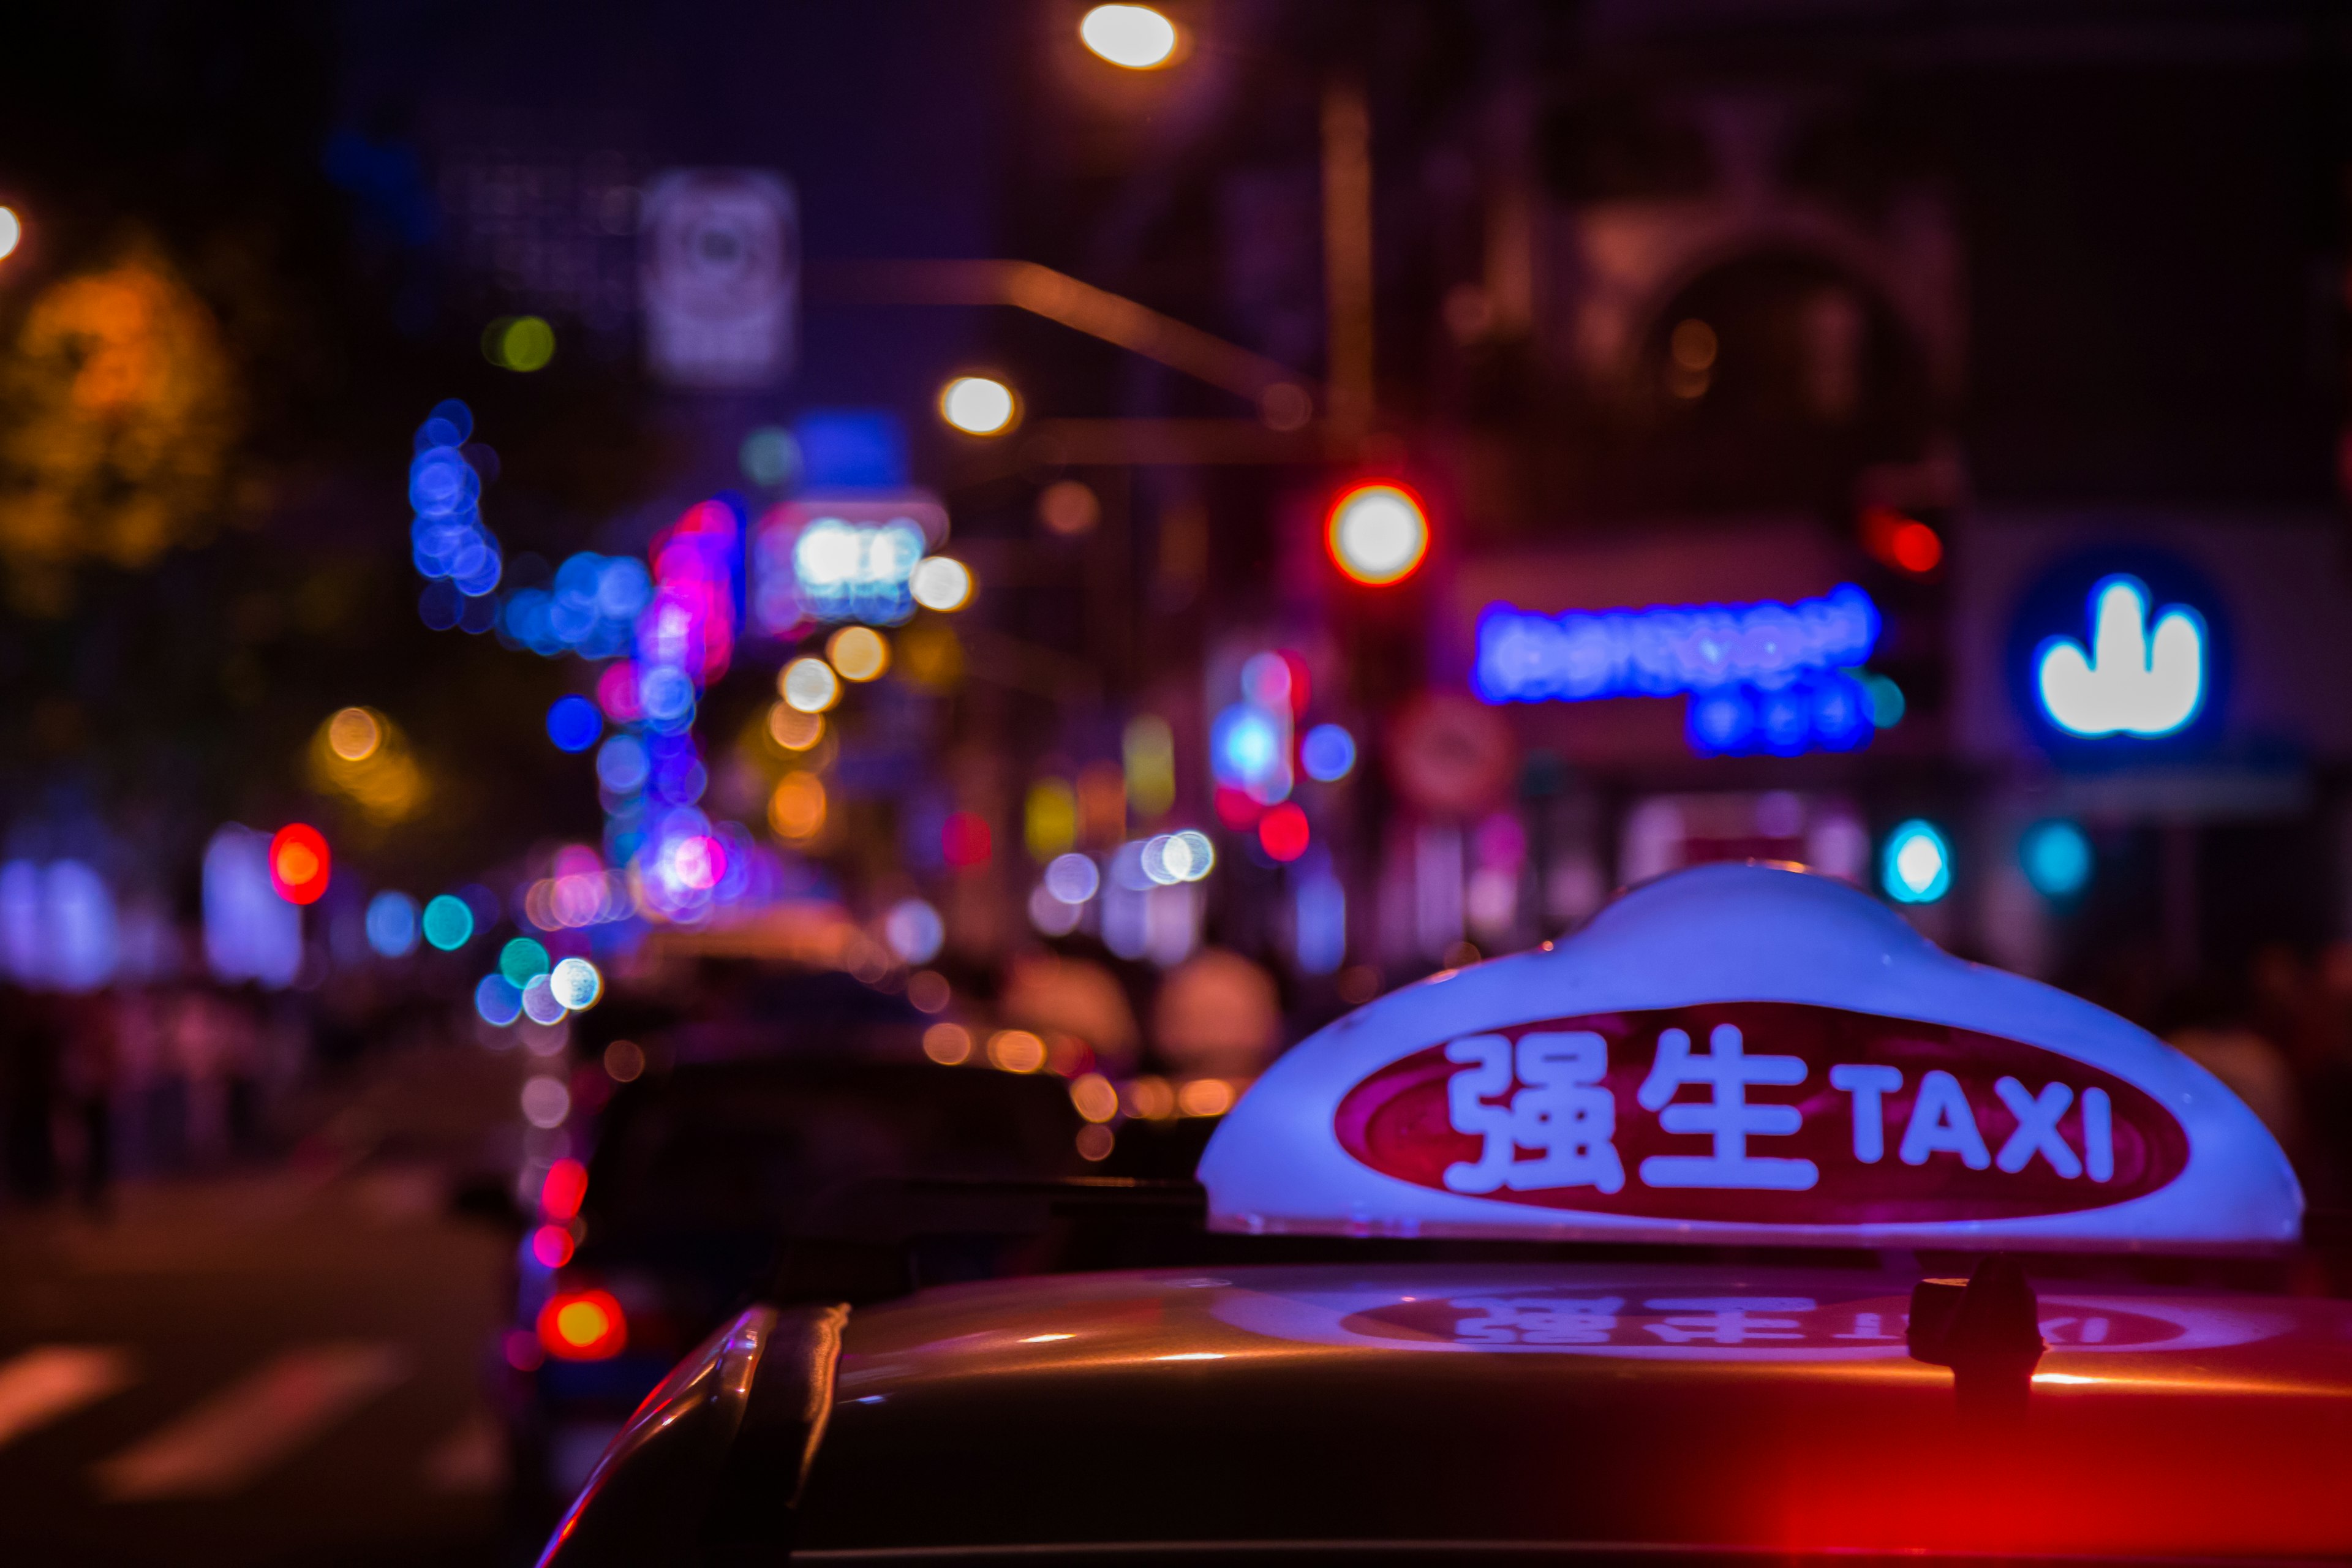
[(582, 1325)]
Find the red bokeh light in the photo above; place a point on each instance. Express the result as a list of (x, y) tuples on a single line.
[(298, 863), (1235, 809), (560, 1194), (964, 840), (1917, 549), (1282, 832), (582, 1325), (1903, 543)]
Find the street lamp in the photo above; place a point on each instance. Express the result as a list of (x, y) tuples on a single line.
[(979, 406), (1135, 37)]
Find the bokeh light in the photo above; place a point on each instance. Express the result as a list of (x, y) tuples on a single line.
[(950, 1045), (564, 1188), (12, 232), (298, 864), (979, 406), (392, 924), (1094, 1097), (576, 984), (810, 685), (2057, 858), (545, 1101), (914, 931), (858, 653), (497, 1000), (1015, 1050), (1282, 832), (539, 1001), (585, 1325), (447, 923), (574, 723), (1328, 753), (1134, 37), (1379, 533), (1073, 878), (1915, 867), (353, 734), (518, 343), (941, 583), (521, 961), (771, 458), (796, 809), (1069, 508), (794, 730), (624, 1061), (965, 841)]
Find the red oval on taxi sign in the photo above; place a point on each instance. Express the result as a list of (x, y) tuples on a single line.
[(1763, 1113)]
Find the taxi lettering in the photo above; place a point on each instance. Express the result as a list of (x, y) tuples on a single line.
[(1870, 1118)]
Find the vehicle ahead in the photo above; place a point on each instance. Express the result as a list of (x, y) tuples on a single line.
[(1482, 1275), (700, 1173)]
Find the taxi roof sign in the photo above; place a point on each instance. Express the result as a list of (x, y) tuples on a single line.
[(1748, 1054)]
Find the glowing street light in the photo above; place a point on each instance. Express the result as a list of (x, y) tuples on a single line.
[(979, 406), (1379, 533), (1135, 37), (12, 231)]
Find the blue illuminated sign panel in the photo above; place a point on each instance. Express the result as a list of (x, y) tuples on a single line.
[(1765, 677), (2120, 654), (2143, 675)]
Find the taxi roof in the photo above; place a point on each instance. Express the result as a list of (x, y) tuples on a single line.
[(1643, 1406), (1748, 1053)]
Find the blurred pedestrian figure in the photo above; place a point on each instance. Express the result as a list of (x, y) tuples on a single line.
[(92, 1029), (28, 1077)]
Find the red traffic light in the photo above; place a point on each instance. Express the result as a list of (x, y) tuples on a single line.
[(1903, 543), (1378, 532), (298, 863)]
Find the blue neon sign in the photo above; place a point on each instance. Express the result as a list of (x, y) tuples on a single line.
[(2120, 654), (1765, 677), (2143, 674)]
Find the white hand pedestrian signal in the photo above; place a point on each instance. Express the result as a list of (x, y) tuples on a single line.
[(2134, 680)]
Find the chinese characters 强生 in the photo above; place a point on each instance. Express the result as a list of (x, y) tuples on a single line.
[(1547, 1094)]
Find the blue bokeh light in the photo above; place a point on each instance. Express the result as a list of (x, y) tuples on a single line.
[(497, 1000), (575, 724), (392, 924), (2057, 858), (1915, 867), (1328, 752)]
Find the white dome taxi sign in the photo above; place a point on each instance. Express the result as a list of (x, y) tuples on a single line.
[(1744, 1053)]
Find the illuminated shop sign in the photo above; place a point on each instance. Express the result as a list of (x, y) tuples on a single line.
[(1767, 677), (2143, 674), (848, 558), (2121, 652), (1747, 1053)]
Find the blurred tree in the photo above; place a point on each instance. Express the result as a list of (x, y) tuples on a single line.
[(122, 412)]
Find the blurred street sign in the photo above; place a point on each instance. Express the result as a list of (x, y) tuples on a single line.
[(720, 277)]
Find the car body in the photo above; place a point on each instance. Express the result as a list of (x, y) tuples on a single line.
[(699, 1172), (1373, 1343)]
